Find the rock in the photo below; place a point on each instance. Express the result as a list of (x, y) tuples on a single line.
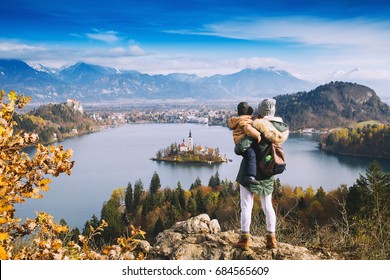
[(198, 224), (214, 226), (201, 239)]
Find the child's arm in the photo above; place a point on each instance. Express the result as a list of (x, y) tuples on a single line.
[(243, 145), (252, 132)]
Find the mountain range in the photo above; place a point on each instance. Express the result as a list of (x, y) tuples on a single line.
[(88, 82)]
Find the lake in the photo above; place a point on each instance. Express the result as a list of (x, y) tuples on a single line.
[(114, 157)]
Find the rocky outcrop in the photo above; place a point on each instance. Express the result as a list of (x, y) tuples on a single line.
[(200, 238)]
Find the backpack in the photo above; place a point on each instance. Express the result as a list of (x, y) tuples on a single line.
[(272, 161)]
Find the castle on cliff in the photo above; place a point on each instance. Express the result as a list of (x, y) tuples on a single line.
[(75, 104)]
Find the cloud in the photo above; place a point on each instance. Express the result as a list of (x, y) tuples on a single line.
[(302, 30), (117, 52), (329, 41), (136, 50), (257, 62), (105, 36), (11, 47)]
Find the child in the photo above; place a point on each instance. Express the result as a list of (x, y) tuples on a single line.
[(241, 126)]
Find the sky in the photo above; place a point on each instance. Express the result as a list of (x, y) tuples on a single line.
[(319, 41)]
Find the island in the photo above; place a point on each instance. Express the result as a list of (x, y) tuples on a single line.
[(189, 153)]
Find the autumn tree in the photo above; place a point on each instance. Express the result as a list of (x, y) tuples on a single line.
[(92, 224), (112, 213), (22, 177)]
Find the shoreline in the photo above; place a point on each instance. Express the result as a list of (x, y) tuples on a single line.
[(350, 154), (190, 161)]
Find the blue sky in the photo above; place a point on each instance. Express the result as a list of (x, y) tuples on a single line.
[(314, 40)]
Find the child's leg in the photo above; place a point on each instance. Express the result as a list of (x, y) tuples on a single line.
[(250, 162)]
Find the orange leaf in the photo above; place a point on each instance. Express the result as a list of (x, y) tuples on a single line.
[(3, 254)]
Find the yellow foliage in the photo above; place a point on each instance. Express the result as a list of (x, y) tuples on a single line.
[(310, 192), (3, 253), (21, 178), (3, 236), (36, 119)]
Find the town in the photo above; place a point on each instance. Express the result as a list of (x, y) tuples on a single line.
[(200, 114)]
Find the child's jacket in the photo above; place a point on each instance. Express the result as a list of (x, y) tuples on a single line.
[(241, 126)]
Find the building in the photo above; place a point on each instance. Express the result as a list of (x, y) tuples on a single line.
[(190, 143), (189, 146), (183, 147)]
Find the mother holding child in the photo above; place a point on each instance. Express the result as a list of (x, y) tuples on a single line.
[(251, 138)]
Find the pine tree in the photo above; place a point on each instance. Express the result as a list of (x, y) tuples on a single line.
[(368, 204), (158, 227), (181, 197), (138, 191), (129, 198), (192, 207), (200, 202), (175, 201), (370, 193), (320, 193), (215, 181), (196, 184), (94, 223), (155, 183)]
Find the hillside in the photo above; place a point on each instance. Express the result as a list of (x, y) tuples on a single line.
[(55, 122), (88, 82), (332, 105)]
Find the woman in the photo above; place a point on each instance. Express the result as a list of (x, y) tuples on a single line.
[(272, 129)]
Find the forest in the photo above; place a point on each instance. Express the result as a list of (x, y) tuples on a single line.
[(352, 221), (369, 139), (55, 122)]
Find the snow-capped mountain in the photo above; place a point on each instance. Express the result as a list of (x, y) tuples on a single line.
[(41, 68), (93, 83)]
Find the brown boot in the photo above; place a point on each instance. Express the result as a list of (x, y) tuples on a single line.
[(271, 241), (243, 243)]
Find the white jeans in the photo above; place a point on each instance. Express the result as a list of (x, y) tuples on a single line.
[(246, 210)]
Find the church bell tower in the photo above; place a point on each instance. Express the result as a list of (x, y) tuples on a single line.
[(190, 143)]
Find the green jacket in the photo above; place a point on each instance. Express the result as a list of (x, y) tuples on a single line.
[(272, 130)]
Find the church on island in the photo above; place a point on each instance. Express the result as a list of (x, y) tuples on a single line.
[(187, 152), (187, 147)]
